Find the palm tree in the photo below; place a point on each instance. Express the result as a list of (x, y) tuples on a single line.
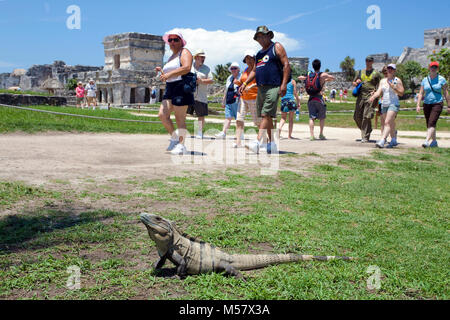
[(221, 73), (347, 67)]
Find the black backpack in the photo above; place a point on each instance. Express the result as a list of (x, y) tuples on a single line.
[(312, 83)]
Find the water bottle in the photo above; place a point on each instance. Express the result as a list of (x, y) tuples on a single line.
[(297, 115)]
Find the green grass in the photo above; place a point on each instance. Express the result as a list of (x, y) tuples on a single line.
[(29, 121), (389, 211)]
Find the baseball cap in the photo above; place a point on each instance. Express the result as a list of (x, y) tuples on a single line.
[(234, 64), (369, 58), (434, 64), (200, 53), (392, 65), (248, 53)]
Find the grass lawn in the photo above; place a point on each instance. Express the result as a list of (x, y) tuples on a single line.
[(389, 211), (33, 93), (30, 121)]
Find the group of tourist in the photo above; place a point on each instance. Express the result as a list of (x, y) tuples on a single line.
[(86, 95), (267, 78)]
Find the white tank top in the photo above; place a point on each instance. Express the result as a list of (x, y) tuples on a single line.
[(173, 65), (389, 95)]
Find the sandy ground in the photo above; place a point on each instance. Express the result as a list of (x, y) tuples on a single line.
[(42, 158)]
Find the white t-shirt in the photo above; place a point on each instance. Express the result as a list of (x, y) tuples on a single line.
[(204, 72), (389, 95), (91, 90)]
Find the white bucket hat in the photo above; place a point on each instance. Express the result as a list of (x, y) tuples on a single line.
[(234, 64), (248, 53), (175, 33)]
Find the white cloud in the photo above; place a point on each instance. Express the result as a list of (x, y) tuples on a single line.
[(243, 18), (222, 47)]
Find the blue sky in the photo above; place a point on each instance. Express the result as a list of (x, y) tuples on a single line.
[(35, 31)]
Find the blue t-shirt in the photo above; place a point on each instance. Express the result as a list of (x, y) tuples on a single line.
[(433, 95)]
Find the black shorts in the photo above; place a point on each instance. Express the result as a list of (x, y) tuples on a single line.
[(175, 93), (200, 108)]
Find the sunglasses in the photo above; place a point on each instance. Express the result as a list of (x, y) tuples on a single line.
[(173, 40), (233, 68), (434, 67), (391, 69)]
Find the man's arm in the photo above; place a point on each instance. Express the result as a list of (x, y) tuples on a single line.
[(281, 53)]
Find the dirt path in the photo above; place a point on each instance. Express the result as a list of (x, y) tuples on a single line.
[(42, 158)]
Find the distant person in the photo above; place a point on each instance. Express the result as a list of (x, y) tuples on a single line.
[(230, 99), (204, 78), (248, 99), (272, 73), (434, 87), (290, 102), (80, 95), (314, 84), (341, 93), (391, 88), (345, 95), (91, 95), (175, 98), (153, 95), (364, 110), (333, 95)]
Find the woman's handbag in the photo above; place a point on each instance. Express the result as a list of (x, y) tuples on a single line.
[(189, 82)]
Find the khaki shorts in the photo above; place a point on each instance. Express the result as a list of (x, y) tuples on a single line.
[(91, 100), (267, 101), (246, 106)]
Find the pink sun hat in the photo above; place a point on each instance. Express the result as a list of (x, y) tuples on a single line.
[(175, 33)]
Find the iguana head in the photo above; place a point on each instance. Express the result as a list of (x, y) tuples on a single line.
[(160, 230)]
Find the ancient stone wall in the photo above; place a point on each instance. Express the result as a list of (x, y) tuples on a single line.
[(29, 100)]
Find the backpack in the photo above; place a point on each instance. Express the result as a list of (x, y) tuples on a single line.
[(312, 83)]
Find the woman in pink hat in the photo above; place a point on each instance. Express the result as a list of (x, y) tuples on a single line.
[(175, 98)]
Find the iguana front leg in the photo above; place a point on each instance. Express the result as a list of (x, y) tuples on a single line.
[(159, 264), (179, 261)]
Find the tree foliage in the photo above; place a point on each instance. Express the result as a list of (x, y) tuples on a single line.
[(71, 84), (347, 66), (221, 73), (411, 73), (443, 57)]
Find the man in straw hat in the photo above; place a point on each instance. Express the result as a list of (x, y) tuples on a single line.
[(272, 72), (204, 78)]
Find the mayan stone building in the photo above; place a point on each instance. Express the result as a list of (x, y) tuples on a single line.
[(128, 74), (434, 41)]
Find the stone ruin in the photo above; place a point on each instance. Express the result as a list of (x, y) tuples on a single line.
[(434, 41), (126, 78)]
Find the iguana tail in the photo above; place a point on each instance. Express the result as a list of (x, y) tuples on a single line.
[(255, 261)]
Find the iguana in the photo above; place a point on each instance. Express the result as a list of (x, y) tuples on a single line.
[(192, 256)]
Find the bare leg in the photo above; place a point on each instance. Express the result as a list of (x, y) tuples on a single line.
[(226, 124), (291, 124), (180, 118), (239, 131), (201, 124), (322, 125), (282, 122), (164, 114), (311, 128)]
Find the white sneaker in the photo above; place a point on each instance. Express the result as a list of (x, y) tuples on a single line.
[(220, 135), (272, 148), (172, 144), (263, 148), (254, 146), (380, 143), (199, 135), (179, 149)]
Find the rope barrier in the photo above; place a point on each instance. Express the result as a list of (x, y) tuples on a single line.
[(78, 115)]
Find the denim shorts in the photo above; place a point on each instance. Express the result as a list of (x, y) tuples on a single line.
[(231, 110), (391, 107)]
